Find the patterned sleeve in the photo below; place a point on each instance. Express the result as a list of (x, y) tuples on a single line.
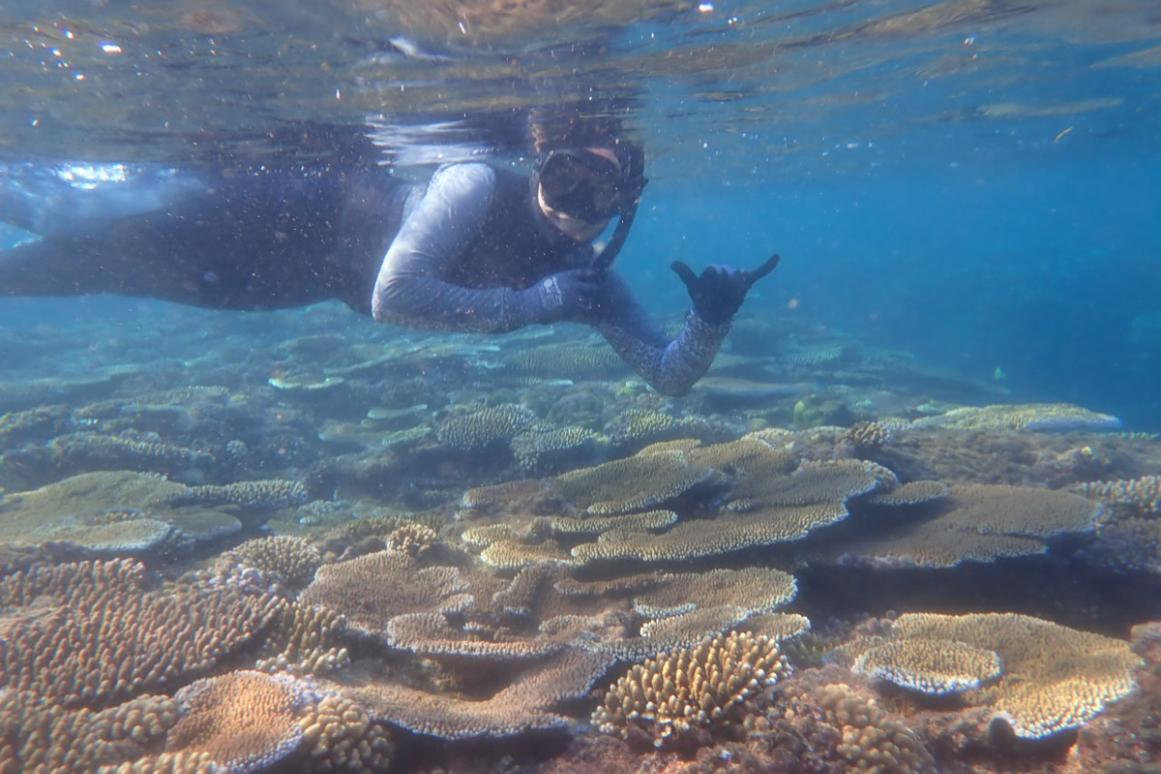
[(670, 367), (410, 289)]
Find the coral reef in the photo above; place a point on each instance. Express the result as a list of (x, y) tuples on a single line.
[(673, 698), (1030, 416), (91, 634), (373, 589), (284, 558), (1052, 678), (1142, 494), (478, 429), (832, 726), (245, 721), (975, 522)]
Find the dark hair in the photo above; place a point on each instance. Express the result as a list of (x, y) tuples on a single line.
[(566, 127)]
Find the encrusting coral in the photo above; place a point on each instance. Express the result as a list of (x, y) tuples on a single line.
[(680, 696)]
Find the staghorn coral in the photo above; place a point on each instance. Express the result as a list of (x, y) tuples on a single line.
[(976, 522), (412, 539), (96, 635), (284, 558), (675, 697), (1142, 494), (371, 590), (1054, 678), (1030, 416), (305, 640), (481, 428), (245, 721)]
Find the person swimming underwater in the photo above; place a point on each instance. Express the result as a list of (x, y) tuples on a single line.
[(477, 248)]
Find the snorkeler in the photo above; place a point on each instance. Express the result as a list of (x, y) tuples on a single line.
[(478, 248)]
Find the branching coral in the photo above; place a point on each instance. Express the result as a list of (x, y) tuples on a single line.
[(674, 697), (102, 637)]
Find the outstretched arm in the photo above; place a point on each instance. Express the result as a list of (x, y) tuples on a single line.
[(411, 290), (672, 367)]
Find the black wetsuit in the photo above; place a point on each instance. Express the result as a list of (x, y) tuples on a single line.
[(468, 251)]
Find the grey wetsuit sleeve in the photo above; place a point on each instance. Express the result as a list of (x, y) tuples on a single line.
[(412, 288), (670, 367)]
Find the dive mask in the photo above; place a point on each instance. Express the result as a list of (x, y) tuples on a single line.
[(582, 184)]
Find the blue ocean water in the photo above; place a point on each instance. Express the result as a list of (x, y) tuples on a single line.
[(966, 198)]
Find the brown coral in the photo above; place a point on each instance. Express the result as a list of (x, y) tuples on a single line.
[(412, 539), (839, 729), (675, 697), (246, 721), (1029, 416), (38, 736), (371, 590), (288, 559), (481, 428), (305, 640), (976, 522), (1143, 494), (1054, 678), (97, 635), (524, 705), (930, 666), (259, 495), (754, 589), (341, 736)]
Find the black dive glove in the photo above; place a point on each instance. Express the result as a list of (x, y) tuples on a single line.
[(720, 290), (568, 295)]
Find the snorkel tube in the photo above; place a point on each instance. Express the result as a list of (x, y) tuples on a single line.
[(635, 181)]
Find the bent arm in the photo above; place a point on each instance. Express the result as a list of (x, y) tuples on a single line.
[(670, 367), (411, 290)]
